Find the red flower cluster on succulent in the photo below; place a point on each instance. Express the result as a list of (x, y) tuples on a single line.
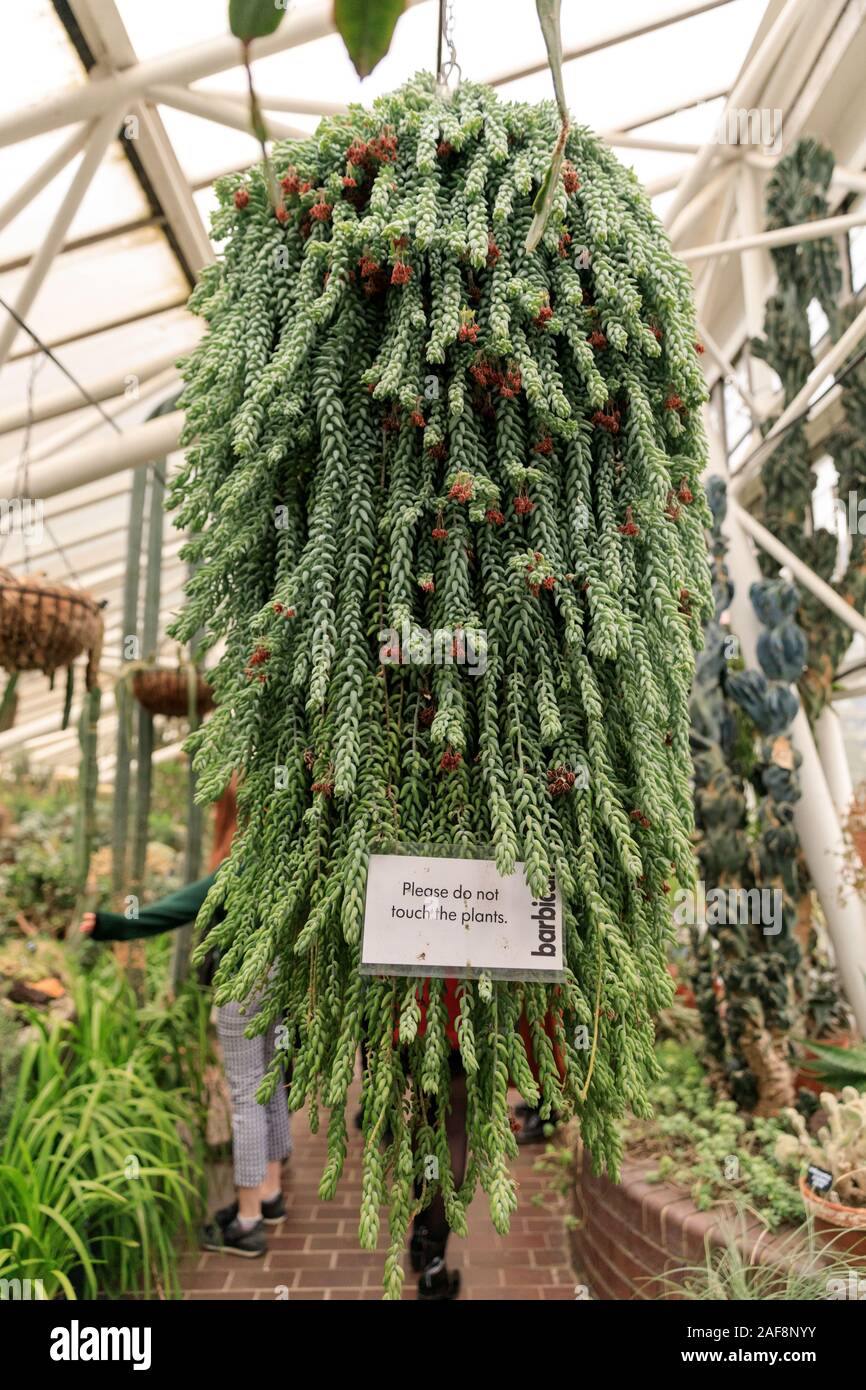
[(564, 243), (544, 445), (426, 715), (417, 419), (321, 211), (286, 612), (641, 819), (450, 761), (700, 349), (607, 420), (560, 780), (685, 493), (674, 402), (242, 197), (570, 177), (258, 658), (467, 333), (544, 315), (656, 332), (685, 603), (672, 511), (461, 491), (628, 527), (290, 183), (444, 149), (401, 274), (437, 451), (493, 251), (549, 582), (523, 504), (439, 533), (597, 339), (427, 586), (494, 516), (326, 788)]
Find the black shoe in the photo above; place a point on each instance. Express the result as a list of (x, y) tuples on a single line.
[(438, 1283), (533, 1130), (273, 1212), (232, 1239), (422, 1250)]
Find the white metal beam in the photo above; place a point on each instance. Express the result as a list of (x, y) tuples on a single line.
[(98, 459), (98, 140), (70, 399), (616, 36), (744, 95), (778, 236), (314, 21), (41, 177), (232, 113)]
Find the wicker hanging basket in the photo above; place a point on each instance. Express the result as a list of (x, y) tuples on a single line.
[(45, 626), (166, 690)]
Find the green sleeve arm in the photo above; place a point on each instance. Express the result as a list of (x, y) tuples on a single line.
[(174, 911)]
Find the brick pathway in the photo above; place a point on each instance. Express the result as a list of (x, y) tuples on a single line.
[(314, 1254)]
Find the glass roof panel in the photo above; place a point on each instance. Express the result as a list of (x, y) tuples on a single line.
[(114, 197), (98, 284)]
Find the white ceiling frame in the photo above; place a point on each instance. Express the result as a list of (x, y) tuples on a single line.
[(233, 113), (97, 142), (105, 388), (744, 96), (616, 36), (184, 65), (778, 236)]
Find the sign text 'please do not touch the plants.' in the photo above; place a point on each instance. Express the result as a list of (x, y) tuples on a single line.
[(458, 917)]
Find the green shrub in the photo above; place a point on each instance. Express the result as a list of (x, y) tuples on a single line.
[(100, 1159)]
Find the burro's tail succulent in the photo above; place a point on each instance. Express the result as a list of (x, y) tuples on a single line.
[(839, 1146), (400, 423)]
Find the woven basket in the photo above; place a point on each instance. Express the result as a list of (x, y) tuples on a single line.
[(45, 626), (165, 690)]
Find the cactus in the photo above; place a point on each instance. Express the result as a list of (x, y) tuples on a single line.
[(839, 1146)]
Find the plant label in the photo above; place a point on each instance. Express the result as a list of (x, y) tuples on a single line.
[(460, 918), (818, 1178)]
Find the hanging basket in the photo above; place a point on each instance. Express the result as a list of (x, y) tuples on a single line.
[(166, 690), (45, 626)]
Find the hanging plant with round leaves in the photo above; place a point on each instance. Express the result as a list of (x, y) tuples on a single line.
[(401, 419)]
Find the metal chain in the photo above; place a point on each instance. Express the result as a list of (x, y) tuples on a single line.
[(447, 67)]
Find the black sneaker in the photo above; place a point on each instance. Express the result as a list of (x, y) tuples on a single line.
[(273, 1212), (232, 1239), (422, 1250), (438, 1283)]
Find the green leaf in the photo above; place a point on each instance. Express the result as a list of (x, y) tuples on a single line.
[(255, 19), (367, 27), (548, 18)]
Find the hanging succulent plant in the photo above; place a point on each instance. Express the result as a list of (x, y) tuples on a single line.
[(401, 420)]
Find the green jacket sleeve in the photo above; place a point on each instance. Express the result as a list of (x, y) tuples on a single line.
[(174, 911)]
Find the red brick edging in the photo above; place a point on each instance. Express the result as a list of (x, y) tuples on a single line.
[(632, 1236)]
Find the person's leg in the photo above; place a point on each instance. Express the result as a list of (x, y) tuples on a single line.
[(244, 1060), (430, 1228), (279, 1124)]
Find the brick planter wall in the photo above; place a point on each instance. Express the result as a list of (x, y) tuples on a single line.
[(634, 1234)]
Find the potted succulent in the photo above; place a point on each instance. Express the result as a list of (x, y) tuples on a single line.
[(833, 1184)]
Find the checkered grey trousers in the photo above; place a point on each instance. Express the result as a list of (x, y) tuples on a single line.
[(260, 1133)]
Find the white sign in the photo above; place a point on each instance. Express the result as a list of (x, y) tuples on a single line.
[(458, 917)]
